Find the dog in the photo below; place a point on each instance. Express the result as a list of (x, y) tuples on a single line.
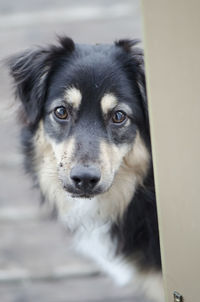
[(86, 141)]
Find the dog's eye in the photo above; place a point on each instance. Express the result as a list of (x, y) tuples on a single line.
[(61, 113), (118, 117)]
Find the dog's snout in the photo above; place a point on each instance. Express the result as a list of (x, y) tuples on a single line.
[(85, 178)]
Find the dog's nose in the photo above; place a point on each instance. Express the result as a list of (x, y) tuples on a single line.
[(85, 178)]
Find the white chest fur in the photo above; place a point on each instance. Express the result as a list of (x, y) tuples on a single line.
[(92, 239), (97, 244)]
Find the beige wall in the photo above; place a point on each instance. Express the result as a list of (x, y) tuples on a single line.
[(172, 54)]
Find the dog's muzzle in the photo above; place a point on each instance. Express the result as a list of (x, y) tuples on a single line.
[(85, 179)]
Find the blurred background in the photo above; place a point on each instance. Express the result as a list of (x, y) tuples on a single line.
[(36, 261)]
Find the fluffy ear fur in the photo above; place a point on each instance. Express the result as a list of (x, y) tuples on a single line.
[(135, 68), (30, 71)]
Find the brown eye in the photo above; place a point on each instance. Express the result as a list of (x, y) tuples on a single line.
[(61, 113), (118, 117)]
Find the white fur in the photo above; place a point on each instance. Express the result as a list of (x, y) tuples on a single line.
[(92, 239), (97, 245), (90, 220)]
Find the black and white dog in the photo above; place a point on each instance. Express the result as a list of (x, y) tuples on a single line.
[(85, 136)]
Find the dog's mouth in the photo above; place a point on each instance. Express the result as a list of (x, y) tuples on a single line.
[(85, 196), (87, 193)]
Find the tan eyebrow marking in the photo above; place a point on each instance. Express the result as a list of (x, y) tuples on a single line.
[(108, 102), (73, 97)]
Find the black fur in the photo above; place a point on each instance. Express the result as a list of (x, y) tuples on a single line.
[(137, 232)]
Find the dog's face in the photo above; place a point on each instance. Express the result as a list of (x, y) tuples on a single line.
[(85, 106)]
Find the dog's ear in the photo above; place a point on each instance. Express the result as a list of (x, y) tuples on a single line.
[(134, 64), (30, 71)]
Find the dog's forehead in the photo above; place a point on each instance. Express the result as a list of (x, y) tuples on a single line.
[(88, 77), (75, 98)]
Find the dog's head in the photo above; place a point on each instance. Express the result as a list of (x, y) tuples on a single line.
[(85, 107)]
